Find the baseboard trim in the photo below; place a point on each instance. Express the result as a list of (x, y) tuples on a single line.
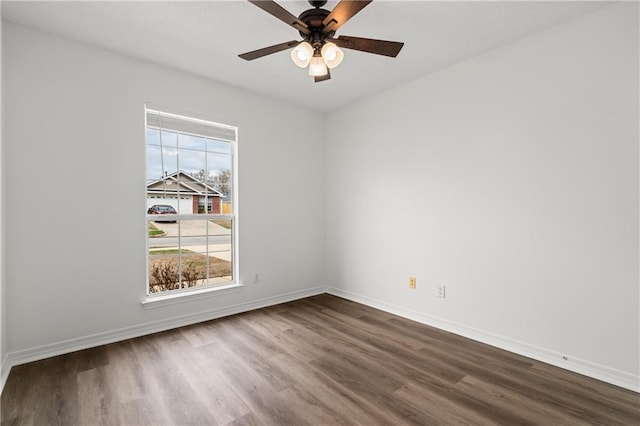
[(46, 351), (576, 365)]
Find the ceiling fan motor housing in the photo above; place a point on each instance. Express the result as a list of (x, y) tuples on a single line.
[(314, 19)]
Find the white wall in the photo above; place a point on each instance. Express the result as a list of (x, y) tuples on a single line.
[(74, 126), (3, 371), (511, 177)]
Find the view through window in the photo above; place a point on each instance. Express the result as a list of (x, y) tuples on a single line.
[(190, 206)]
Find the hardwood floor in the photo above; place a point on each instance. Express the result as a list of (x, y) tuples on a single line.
[(321, 361)]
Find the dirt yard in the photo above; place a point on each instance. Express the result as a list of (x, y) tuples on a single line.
[(163, 270)]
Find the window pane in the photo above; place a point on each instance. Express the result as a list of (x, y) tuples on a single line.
[(192, 142), (220, 253), (218, 146), (154, 163), (193, 162), (217, 163), (163, 269), (205, 253), (193, 268), (169, 161), (169, 139), (153, 136), (220, 170)]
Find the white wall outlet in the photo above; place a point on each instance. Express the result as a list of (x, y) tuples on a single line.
[(441, 291)]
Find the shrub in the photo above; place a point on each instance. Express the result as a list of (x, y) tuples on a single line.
[(190, 275), (164, 276)]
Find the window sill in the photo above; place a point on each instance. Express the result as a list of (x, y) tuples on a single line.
[(152, 302)]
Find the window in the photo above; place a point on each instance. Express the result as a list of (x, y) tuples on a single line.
[(190, 203)]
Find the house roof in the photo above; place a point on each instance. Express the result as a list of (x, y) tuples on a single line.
[(183, 183)]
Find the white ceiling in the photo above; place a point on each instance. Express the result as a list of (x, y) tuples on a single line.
[(205, 37)]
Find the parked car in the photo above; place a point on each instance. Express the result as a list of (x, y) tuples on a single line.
[(162, 209)]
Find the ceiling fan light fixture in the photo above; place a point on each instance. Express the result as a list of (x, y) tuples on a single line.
[(332, 55), (318, 50), (317, 67), (301, 55)]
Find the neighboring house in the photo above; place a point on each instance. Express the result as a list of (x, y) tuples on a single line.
[(185, 193)]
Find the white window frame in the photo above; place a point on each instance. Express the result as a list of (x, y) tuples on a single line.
[(177, 296)]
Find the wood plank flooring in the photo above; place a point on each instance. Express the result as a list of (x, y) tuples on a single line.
[(316, 361)]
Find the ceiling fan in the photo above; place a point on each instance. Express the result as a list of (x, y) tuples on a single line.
[(319, 50)]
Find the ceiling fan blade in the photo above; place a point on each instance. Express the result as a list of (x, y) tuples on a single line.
[(274, 9), (255, 54), (320, 78), (379, 47), (342, 13)]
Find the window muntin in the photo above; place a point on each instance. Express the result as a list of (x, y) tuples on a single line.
[(190, 165)]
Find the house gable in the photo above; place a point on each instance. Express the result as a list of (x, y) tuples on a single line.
[(184, 183)]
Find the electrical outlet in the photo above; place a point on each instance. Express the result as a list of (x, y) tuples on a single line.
[(412, 282), (441, 291), (256, 279)]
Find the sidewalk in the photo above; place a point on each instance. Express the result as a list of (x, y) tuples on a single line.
[(191, 228)]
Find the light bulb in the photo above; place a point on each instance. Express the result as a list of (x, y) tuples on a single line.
[(332, 55), (301, 54), (317, 67)]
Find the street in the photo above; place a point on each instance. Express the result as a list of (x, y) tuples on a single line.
[(200, 240)]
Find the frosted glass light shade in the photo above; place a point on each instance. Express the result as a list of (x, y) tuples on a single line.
[(301, 55), (317, 67), (332, 55)]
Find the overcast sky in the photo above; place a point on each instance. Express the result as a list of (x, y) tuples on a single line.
[(183, 152)]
